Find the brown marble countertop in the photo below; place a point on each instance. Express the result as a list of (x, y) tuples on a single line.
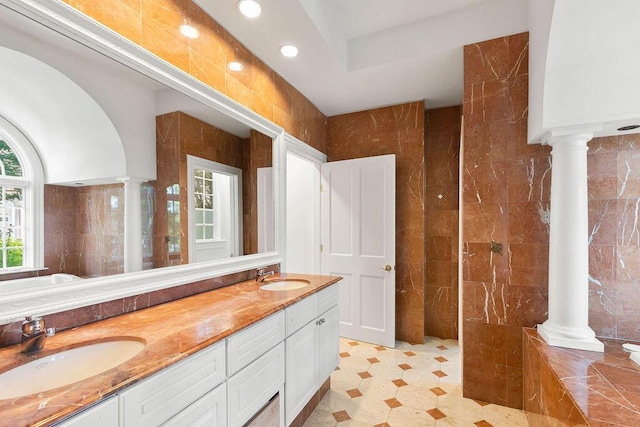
[(172, 331), (604, 386)]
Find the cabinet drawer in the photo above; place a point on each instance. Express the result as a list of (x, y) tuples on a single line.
[(301, 313), (327, 298), (208, 411), (247, 345), (161, 396), (251, 388)]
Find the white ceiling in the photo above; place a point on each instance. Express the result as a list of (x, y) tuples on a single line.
[(362, 54)]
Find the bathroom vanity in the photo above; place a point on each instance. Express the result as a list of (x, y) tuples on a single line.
[(217, 358)]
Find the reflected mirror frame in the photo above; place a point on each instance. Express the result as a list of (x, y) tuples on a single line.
[(79, 27)]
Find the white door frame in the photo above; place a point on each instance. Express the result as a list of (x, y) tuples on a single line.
[(306, 152), (235, 174)]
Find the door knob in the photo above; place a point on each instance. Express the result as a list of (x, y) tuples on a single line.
[(386, 268)]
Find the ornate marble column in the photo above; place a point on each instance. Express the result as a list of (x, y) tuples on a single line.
[(568, 322), (132, 224)]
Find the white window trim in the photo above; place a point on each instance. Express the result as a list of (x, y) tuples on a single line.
[(235, 174), (33, 175)]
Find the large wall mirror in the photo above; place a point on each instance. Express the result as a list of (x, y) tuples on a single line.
[(100, 111)]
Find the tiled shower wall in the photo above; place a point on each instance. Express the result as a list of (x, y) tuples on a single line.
[(442, 157), (613, 166), (506, 197), (84, 229), (505, 194), (395, 130), (257, 154)]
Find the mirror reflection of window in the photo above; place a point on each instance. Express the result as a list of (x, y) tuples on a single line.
[(173, 218), (11, 208), (215, 211), (207, 218)]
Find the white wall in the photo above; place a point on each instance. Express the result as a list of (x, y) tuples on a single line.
[(591, 74), (60, 119), (89, 120), (540, 14), (303, 216)]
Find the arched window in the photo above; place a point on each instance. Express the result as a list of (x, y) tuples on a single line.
[(21, 202)]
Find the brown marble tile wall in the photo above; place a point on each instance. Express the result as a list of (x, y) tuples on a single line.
[(100, 230), (257, 154), (11, 334), (614, 240), (84, 229), (153, 24), (546, 402), (578, 388), (168, 175), (441, 157), (179, 135), (505, 187), (395, 130), (60, 250)]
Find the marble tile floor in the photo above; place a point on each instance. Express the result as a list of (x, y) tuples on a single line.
[(411, 385)]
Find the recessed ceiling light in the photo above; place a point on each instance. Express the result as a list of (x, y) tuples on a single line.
[(189, 31), (250, 8), (235, 66), (289, 50)]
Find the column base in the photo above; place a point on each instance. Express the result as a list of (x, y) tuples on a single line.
[(579, 339)]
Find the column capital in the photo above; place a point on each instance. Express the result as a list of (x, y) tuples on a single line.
[(577, 140), (566, 134), (131, 180)]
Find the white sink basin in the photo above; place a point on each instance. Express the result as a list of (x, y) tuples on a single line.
[(66, 367), (285, 284)]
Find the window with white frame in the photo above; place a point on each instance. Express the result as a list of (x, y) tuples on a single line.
[(215, 210), (206, 220), (21, 204)]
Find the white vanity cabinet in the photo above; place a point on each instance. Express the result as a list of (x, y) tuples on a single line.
[(103, 414), (167, 393), (312, 349), (288, 354), (255, 365)]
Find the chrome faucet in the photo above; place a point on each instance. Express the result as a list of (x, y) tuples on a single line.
[(261, 274), (34, 335)]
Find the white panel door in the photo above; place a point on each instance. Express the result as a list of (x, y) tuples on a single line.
[(358, 243)]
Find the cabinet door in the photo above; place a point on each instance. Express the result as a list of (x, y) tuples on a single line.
[(103, 414), (210, 411), (327, 344), (300, 377)]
